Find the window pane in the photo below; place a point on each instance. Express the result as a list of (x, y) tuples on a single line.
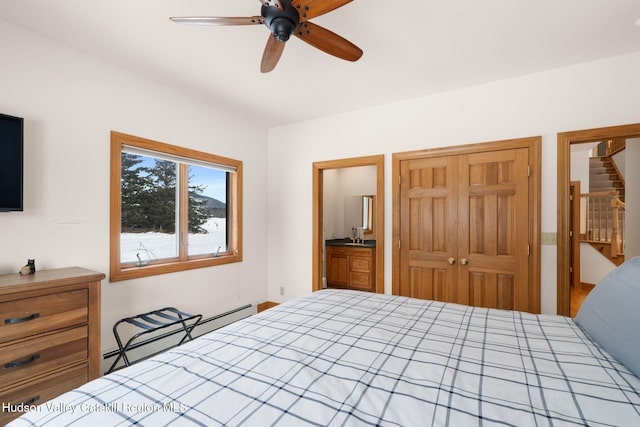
[(207, 211), (148, 228)]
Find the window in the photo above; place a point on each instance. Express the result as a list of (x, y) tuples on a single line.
[(172, 208)]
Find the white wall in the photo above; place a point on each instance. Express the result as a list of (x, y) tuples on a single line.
[(620, 159), (593, 266), (70, 103), (332, 205), (579, 167), (541, 104)]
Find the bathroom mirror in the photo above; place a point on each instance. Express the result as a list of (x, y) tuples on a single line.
[(358, 212), (367, 214)]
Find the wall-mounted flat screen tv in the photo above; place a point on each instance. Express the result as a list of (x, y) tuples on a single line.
[(11, 163)]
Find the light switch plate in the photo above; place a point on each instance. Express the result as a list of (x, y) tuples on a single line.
[(549, 238)]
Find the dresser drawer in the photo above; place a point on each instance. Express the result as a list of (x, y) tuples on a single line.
[(23, 360), (361, 281), (361, 264), (29, 316), (338, 250), (362, 252), (37, 392)]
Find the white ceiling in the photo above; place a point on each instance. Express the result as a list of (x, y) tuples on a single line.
[(411, 47)]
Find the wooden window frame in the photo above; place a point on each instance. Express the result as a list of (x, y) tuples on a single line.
[(124, 271)]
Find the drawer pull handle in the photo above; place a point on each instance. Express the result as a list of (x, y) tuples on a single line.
[(33, 400), (21, 319), (26, 361), (8, 408)]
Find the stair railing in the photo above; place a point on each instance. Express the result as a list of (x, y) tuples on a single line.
[(617, 232), (615, 145), (604, 214)]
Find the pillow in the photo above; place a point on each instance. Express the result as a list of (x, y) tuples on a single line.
[(610, 314)]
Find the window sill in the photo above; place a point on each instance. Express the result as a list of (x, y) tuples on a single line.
[(119, 273)]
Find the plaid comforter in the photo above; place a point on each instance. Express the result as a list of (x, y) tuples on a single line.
[(353, 358)]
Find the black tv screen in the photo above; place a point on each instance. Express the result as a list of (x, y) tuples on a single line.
[(11, 163)]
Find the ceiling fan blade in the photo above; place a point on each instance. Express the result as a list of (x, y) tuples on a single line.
[(328, 41), (272, 3), (217, 20), (272, 53), (308, 9)]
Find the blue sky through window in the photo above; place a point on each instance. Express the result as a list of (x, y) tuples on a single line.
[(213, 180)]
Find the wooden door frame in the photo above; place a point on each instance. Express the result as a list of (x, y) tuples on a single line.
[(534, 145), (575, 245), (318, 193), (565, 139)]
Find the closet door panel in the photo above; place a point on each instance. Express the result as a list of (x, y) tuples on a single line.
[(493, 229), (428, 214)]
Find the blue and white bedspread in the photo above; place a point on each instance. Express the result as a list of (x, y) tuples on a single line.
[(345, 358)]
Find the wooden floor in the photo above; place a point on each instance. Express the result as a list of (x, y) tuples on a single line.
[(266, 305), (578, 294)]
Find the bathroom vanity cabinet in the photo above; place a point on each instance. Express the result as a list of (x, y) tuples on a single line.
[(351, 267)]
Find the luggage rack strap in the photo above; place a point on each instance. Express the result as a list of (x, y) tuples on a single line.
[(154, 321), (150, 322), (135, 322)]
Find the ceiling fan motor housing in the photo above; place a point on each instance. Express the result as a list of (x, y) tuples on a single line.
[(282, 23)]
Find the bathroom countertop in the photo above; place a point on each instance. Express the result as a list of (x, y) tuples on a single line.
[(349, 243)]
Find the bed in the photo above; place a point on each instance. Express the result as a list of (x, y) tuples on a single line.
[(349, 358)]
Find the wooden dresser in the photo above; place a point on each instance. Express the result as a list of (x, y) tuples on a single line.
[(49, 335), (351, 268)]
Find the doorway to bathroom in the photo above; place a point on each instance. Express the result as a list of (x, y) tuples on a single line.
[(323, 179)]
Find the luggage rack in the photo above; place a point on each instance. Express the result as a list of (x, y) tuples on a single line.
[(150, 322)]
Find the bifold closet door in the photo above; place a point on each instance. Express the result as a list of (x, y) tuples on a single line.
[(464, 224), (493, 229), (428, 217)]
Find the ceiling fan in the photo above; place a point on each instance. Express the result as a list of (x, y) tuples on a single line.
[(284, 18)]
